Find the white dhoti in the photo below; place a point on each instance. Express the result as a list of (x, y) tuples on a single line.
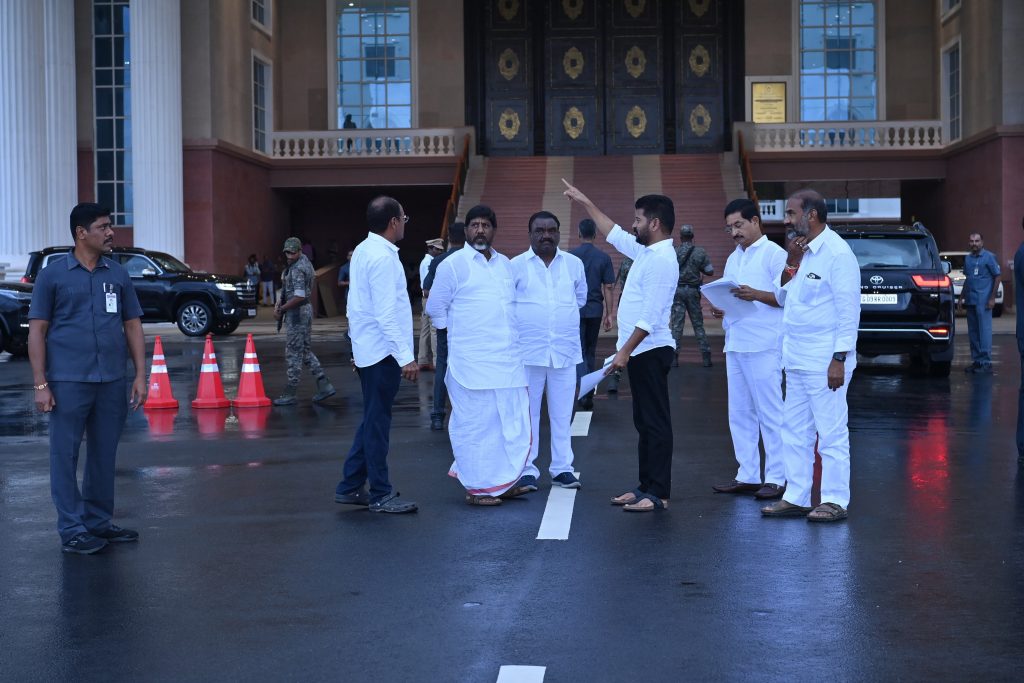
[(490, 434)]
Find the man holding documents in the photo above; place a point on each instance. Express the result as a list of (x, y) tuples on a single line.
[(753, 353), (551, 288), (472, 296), (819, 352), (645, 346)]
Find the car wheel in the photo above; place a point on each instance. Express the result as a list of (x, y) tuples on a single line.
[(226, 326), (194, 318), (939, 368), (997, 311)]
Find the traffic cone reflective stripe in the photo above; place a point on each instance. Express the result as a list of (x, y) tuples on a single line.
[(160, 394), (250, 381), (211, 390)]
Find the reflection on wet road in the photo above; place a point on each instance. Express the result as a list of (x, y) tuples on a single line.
[(246, 567)]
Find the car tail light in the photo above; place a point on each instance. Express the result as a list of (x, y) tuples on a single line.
[(931, 281), (24, 278), (938, 331)]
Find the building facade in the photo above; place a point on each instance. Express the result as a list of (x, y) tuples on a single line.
[(216, 128)]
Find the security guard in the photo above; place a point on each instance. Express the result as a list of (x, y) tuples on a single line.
[(297, 312), (693, 265), (83, 322)]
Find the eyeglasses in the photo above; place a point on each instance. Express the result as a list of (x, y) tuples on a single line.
[(405, 219)]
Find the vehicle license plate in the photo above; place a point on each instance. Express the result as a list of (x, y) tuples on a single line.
[(252, 311), (878, 299)]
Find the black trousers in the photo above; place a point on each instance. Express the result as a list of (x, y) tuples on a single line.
[(590, 328), (440, 369), (648, 382)]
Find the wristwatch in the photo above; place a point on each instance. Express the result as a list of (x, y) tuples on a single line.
[(841, 357)]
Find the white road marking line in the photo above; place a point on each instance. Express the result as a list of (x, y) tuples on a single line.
[(514, 673), (581, 423), (554, 526)]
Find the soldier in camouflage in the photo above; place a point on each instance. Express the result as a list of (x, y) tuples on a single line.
[(694, 264), (295, 310)]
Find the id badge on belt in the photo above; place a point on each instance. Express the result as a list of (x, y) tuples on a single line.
[(111, 297)]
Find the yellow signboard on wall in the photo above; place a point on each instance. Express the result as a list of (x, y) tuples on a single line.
[(768, 102)]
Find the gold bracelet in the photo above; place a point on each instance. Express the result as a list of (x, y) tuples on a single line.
[(40, 387)]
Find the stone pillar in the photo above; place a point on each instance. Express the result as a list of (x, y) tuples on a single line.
[(61, 127), (156, 126), (22, 133)]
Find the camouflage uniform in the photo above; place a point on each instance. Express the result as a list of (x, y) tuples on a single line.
[(297, 280), (687, 298)]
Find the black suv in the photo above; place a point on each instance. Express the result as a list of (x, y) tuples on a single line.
[(170, 291), (906, 299), (15, 298)]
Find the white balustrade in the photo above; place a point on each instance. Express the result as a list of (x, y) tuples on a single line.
[(847, 136), (360, 144)]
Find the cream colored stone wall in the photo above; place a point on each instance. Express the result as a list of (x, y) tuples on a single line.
[(911, 60), (83, 72), (768, 27), (302, 92), (196, 93), (441, 86), (979, 26)]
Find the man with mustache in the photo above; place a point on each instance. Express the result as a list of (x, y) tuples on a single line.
[(473, 297), (551, 288), (821, 299), (753, 355), (84, 321), (645, 346)]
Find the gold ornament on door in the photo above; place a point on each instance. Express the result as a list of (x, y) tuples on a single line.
[(700, 121), (700, 61), (635, 7), (509, 124), (572, 8), (508, 64), (573, 122), (572, 63), (508, 9), (636, 121), (636, 61), (700, 7)]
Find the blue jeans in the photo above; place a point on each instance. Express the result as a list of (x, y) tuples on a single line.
[(96, 410), (440, 368), (979, 330), (368, 457)]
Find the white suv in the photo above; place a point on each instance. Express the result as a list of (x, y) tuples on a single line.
[(956, 272)]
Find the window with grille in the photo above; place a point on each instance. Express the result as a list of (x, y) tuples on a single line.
[(112, 108), (952, 69), (838, 61), (260, 104), (374, 64)]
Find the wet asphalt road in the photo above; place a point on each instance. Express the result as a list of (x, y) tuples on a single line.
[(247, 569)]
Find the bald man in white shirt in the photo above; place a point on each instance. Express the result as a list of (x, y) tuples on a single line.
[(821, 301), (551, 288), (753, 355), (380, 325), (472, 296), (645, 347)]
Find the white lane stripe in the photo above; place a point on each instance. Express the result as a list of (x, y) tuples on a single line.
[(581, 423), (554, 525), (515, 673)]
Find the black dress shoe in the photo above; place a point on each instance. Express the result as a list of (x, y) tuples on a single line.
[(586, 402), (782, 508), (770, 492), (436, 423), (736, 487)]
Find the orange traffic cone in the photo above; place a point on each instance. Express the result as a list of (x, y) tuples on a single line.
[(250, 386), (160, 395), (211, 391)]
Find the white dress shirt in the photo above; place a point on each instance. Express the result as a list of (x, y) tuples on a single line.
[(473, 297), (821, 306), (759, 266), (379, 312), (548, 303), (647, 298), (425, 268)]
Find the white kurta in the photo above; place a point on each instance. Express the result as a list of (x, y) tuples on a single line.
[(548, 302), (490, 423), (754, 366)]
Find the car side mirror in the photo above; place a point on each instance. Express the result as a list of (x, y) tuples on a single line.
[(946, 267)]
